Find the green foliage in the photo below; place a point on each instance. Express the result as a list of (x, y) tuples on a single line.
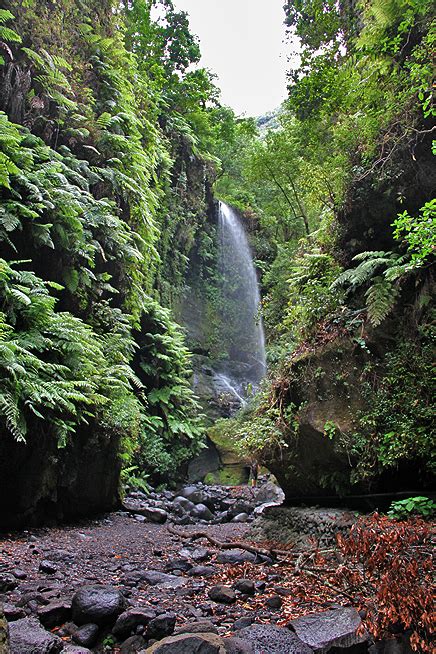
[(383, 288), (398, 424), (418, 232), (54, 367), (403, 509), (81, 189)]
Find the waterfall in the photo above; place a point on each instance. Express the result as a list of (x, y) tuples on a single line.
[(242, 328)]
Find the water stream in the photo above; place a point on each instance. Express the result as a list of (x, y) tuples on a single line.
[(241, 321)]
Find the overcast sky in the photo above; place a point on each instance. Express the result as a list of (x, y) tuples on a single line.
[(242, 41)]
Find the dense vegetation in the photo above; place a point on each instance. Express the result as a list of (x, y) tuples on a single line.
[(342, 189), (104, 131), (113, 148)]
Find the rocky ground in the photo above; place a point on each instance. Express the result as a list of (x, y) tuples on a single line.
[(124, 584)]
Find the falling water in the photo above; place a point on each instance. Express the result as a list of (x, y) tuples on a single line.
[(242, 325)]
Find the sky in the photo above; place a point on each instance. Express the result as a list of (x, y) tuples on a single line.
[(242, 41)]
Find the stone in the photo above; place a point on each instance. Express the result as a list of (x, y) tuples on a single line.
[(28, 637), (86, 635), (155, 578), (202, 626), (130, 619), (222, 594), (184, 503), (241, 623), (245, 586), (195, 495), (198, 554), (100, 605), (268, 639), (274, 602), (235, 556), (48, 567), (12, 612), (202, 571), (178, 564), (7, 582), (19, 574), (153, 514), (132, 645), (75, 649), (161, 626), (236, 645), (54, 614), (189, 644), (334, 628), (201, 512), (241, 517)]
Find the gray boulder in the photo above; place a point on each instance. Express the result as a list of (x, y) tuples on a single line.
[(55, 613), (86, 635), (245, 586), (155, 578), (206, 643), (7, 582), (236, 645), (133, 645), (335, 628), (235, 557), (28, 637), (222, 594), (100, 605), (161, 626), (183, 503), (200, 627), (201, 512), (127, 621), (268, 639)]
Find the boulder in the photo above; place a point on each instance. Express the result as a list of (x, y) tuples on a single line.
[(155, 578), (132, 645), (7, 582), (198, 554), (130, 619), (245, 586), (100, 605), (75, 649), (194, 494), (28, 637), (48, 567), (201, 512), (203, 571), (12, 612), (86, 635), (241, 517), (222, 594), (202, 626), (183, 502), (268, 639), (55, 613), (161, 626), (274, 602), (236, 645), (235, 556), (206, 643), (335, 628)]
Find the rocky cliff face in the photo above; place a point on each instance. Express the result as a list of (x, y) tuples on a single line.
[(40, 482)]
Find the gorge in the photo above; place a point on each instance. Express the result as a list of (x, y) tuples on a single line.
[(186, 291)]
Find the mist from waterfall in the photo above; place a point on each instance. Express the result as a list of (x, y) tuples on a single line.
[(242, 328)]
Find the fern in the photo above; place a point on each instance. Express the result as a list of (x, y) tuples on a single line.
[(380, 270)]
